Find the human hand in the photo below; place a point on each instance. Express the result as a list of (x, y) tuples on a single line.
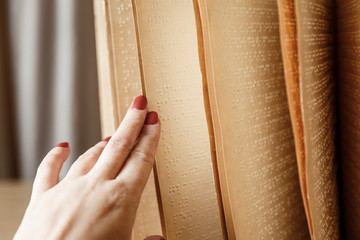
[(99, 196)]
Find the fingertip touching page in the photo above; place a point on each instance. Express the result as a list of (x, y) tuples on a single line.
[(120, 83)]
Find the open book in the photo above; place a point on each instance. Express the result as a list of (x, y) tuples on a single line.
[(259, 102)]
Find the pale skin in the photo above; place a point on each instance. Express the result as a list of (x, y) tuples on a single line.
[(99, 196)]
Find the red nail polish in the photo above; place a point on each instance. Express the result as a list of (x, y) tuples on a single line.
[(63, 145), (107, 139), (139, 103), (152, 118), (154, 237)]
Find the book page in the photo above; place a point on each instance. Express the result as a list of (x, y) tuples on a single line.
[(348, 13), (107, 96), (289, 47), (253, 135), (173, 84), (316, 49), (119, 84)]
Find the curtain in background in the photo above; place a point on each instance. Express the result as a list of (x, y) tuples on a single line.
[(48, 82)]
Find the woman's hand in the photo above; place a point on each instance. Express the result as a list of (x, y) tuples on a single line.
[(99, 196)]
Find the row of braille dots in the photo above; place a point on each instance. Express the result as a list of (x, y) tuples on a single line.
[(124, 5), (122, 9), (128, 48)]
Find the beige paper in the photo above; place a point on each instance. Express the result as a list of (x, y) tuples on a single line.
[(120, 83), (173, 83), (348, 13), (316, 47), (254, 140), (107, 96), (289, 45)]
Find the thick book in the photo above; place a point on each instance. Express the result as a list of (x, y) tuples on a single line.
[(259, 106)]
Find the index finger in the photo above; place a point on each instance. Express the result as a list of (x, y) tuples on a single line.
[(123, 141), (138, 166)]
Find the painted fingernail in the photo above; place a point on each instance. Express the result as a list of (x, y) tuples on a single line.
[(139, 103), (154, 237), (63, 145), (152, 118), (107, 139)]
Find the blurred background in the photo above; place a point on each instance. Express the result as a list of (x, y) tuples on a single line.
[(48, 82), (48, 93)]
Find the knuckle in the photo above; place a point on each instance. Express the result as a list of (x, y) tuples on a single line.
[(122, 144), (91, 186), (121, 194), (144, 156), (136, 117)]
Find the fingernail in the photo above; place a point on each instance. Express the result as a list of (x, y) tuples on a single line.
[(154, 237), (63, 145), (107, 139), (139, 103), (152, 118)]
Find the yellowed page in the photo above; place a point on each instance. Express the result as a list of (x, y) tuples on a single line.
[(315, 29), (173, 83), (107, 96), (120, 83), (348, 13), (254, 141), (289, 47)]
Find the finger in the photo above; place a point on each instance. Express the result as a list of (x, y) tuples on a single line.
[(154, 237), (47, 175), (122, 142), (137, 169), (87, 160)]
